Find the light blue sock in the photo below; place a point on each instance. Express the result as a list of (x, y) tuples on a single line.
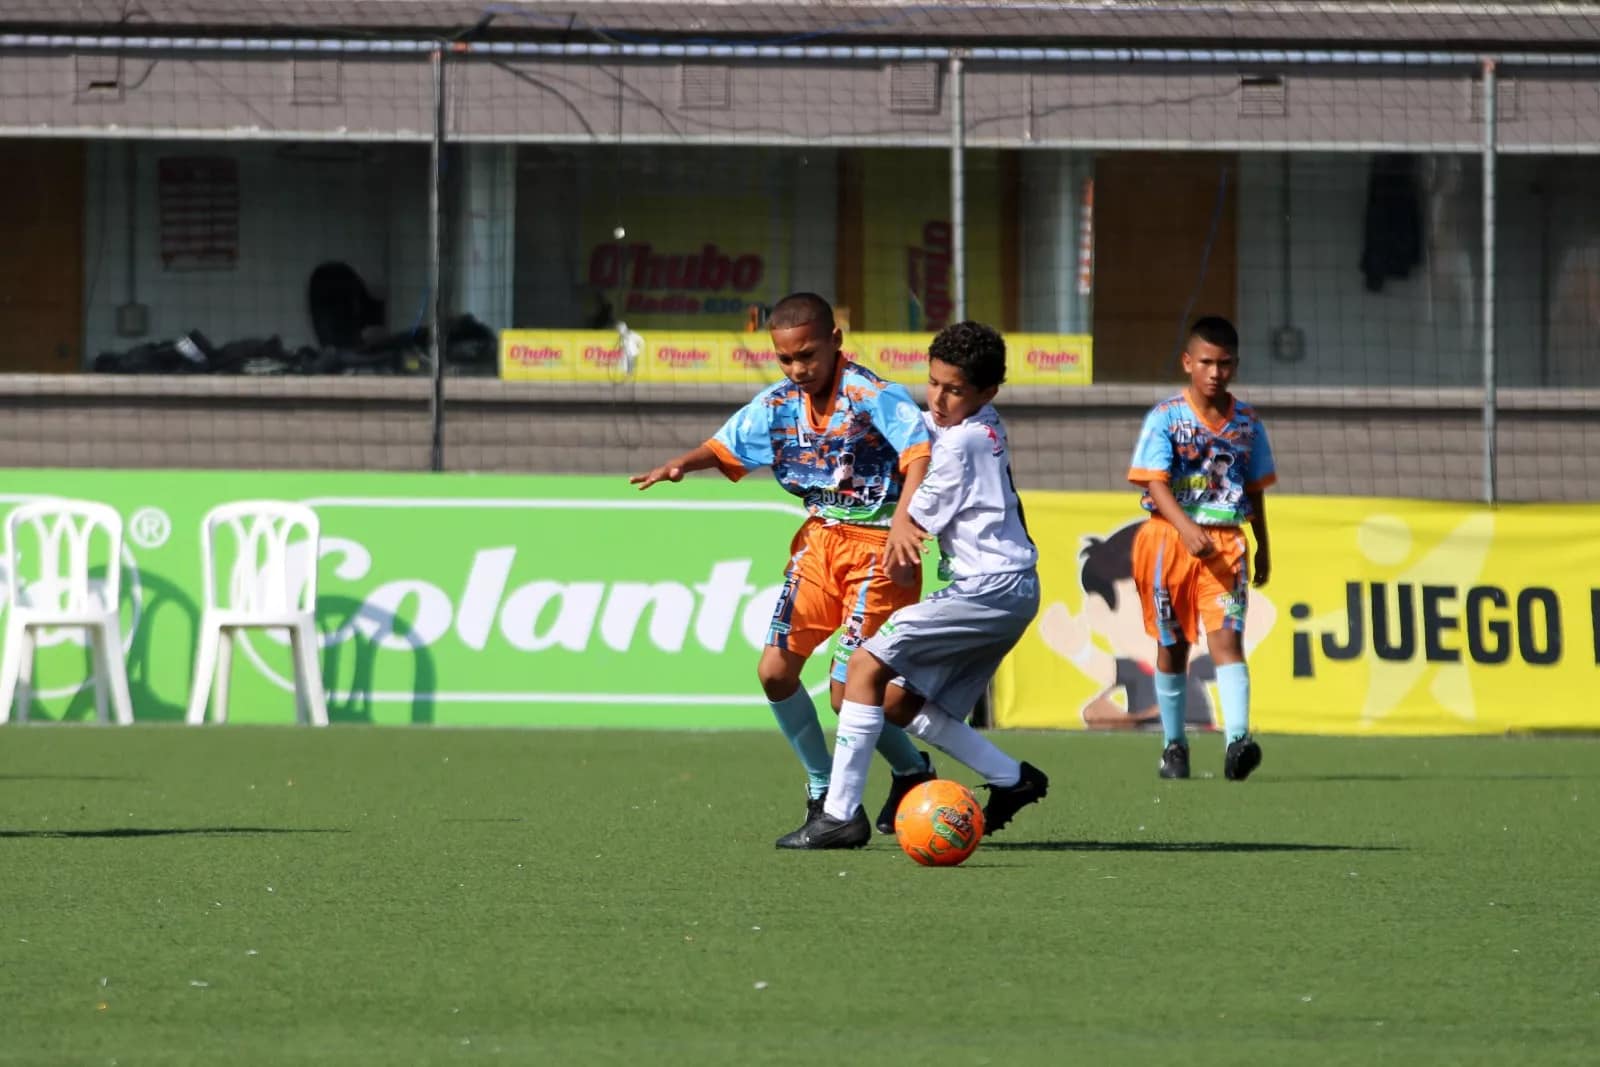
[(1233, 685), (896, 747), (1171, 694), (797, 718)]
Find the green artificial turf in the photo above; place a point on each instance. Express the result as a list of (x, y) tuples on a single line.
[(274, 895)]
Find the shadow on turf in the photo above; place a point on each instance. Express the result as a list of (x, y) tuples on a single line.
[(177, 831), (1179, 846), (1489, 777), (68, 778)]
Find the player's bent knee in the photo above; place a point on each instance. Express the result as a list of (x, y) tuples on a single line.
[(778, 677), (1227, 646), (1173, 659), (865, 665), (778, 686), (900, 706)]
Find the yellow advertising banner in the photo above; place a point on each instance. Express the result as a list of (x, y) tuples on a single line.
[(684, 357), (561, 356), (1049, 359), (1031, 358), (599, 356), (1382, 617), (899, 357)]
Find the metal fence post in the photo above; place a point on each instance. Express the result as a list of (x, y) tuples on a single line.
[(435, 260), (1490, 371), (958, 191)]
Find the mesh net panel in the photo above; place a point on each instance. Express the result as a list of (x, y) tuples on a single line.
[(221, 227)]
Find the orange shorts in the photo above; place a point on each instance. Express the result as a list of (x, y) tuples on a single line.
[(836, 578), (1184, 597)]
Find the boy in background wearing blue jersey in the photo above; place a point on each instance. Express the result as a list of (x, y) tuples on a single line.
[(1204, 463)]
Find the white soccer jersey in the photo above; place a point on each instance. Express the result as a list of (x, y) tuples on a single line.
[(968, 500)]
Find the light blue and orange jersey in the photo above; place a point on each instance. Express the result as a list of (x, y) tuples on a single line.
[(1210, 467), (847, 462)]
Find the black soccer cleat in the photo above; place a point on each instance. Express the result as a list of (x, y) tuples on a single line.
[(1175, 760), (1243, 756), (899, 786), (1006, 800), (824, 831)]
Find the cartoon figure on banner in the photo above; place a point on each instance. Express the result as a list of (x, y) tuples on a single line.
[(1111, 612)]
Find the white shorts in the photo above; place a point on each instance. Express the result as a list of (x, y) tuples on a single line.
[(947, 648)]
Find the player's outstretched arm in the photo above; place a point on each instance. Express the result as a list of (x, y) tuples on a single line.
[(699, 458), (1258, 526)]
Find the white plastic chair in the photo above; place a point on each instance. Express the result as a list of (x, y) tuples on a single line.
[(272, 585), (62, 594)]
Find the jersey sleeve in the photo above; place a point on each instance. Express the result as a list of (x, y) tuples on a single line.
[(943, 492), (1263, 470), (899, 419), (745, 440), (1152, 455)]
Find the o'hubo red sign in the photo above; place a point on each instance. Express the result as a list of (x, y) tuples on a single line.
[(677, 283)]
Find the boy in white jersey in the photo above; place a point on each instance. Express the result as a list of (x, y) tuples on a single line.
[(928, 664), (1204, 463)]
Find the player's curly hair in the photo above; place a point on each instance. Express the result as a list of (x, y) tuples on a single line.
[(976, 350)]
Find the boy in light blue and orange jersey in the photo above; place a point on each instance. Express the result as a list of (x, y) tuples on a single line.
[(850, 445), (1204, 462)]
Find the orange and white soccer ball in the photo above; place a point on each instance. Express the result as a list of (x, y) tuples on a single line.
[(939, 823)]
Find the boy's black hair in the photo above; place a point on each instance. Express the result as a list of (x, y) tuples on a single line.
[(797, 309), (1105, 562), (1216, 330), (976, 350)]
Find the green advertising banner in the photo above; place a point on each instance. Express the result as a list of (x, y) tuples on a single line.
[(460, 600)]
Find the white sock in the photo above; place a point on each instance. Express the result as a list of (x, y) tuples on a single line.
[(859, 727), (952, 736)]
